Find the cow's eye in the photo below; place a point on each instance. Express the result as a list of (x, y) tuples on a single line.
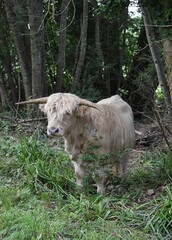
[(67, 113), (54, 109)]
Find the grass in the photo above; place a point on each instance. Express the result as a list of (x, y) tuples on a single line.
[(39, 198)]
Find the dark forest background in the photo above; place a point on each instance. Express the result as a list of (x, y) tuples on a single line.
[(94, 49)]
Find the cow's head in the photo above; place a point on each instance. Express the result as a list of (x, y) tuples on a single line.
[(63, 111)]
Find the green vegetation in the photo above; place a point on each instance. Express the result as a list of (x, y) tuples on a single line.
[(39, 198)]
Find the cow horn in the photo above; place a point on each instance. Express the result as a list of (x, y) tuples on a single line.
[(85, 102), (34, 101)]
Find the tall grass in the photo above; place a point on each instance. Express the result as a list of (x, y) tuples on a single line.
[(160, 220), (39, 198), (46, 169)]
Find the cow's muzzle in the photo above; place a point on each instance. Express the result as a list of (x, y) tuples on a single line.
[(53, 131)]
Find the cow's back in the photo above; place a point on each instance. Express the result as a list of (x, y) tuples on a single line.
[(115, 102), (115, 129)]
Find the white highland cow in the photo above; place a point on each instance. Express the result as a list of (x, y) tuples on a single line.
[(105, 127)]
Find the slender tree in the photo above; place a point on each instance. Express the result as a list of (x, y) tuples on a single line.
[(97, 30), (6, 58), (156, 58), (36, 25), (17, 18), (108, 65), (167, 41), (99, 54), (62, 45), (167, 46), (3, 94), (141, 77), (83, 46), (113, 30)]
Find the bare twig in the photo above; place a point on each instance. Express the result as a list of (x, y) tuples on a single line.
[(161, 126), (157, 26), (167, 128), (145, 115)]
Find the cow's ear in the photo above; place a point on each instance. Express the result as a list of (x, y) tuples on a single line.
[(82, 110), (42, 108)]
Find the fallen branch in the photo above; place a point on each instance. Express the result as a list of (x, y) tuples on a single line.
[(6, 117), (32, 120)]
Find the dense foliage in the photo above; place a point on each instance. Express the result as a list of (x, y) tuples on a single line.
[(92, 48)]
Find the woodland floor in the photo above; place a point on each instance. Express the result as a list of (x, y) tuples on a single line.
[(130, 211)]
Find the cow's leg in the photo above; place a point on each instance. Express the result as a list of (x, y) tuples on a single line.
[(101, 181), (123, 166), (117, 169), (79, 172), (120, 167)]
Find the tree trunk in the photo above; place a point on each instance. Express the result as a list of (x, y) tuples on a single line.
[(167, 45), (36, 23), (18, 24), (137, 81), (99, 55), (122, 46), (6, 57), (62, 45), (97, 29), (81, 59), (3, 95), (107, 58), (156, 58)]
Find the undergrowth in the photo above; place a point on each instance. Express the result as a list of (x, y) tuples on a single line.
[(39, 198)]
